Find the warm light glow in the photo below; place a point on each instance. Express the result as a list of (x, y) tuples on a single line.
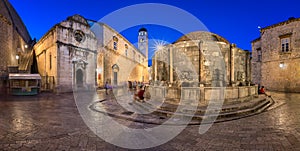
[(17, 57), (206, 63), (26, 46), (281, 65), (221, 42)]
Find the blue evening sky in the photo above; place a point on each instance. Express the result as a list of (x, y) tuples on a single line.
[(235, 20)]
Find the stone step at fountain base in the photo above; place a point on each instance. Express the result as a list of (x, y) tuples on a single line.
[(160, 111), (207, 115)]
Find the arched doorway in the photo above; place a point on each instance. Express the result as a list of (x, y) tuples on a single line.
[(115, 70), (79, 78)]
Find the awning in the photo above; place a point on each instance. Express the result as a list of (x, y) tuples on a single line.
[(24, 76)]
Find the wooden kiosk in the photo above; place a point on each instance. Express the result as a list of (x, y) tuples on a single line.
[(24, 84)]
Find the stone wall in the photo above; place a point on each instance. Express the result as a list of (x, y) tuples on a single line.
[(206, 94), (13, 39), (132, 64), (279, 70), (214, 61), (256, 63)]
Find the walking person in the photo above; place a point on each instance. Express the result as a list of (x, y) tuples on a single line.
[(106, 86)]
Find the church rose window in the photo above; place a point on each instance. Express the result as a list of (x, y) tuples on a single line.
[(79, 36)]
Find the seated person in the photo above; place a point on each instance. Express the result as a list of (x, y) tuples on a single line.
[(139, 95), (262, 90)]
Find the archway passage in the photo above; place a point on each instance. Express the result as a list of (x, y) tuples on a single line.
[(79, 78)]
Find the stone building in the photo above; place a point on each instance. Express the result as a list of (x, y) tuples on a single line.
[(86, 54), (276, 56), (118, 60), (15, 42), (66, 54), (202, 57)]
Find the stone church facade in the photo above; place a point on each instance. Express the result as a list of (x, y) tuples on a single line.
[(15, 42), (276, 56), (66, 54), (202, 58), (87, 54)]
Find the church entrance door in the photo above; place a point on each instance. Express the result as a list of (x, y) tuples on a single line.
[(79, 78)]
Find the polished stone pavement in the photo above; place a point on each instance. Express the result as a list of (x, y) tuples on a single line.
[(52, 122)]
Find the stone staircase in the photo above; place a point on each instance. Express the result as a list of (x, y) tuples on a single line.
[(25, 62), (160, 111), (225, 113)]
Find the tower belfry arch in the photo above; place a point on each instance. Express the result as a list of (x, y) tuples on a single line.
[(143, 41)]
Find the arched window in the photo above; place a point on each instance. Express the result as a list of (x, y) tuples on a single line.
[(115, 42)]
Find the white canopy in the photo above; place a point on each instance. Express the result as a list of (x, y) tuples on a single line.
[(24, 76)]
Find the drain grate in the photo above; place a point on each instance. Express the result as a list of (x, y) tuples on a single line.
[(127, 113)]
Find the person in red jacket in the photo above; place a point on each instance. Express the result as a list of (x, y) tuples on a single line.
[(262, 90), (139, 95)]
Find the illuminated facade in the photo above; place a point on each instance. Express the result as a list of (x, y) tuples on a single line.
[(214, 61), (118, 60), (72, 53), (15, 42), (276, 56)]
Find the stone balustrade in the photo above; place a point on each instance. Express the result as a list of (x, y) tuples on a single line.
[(205, 94)]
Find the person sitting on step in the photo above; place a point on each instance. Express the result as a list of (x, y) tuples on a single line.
[(139, 95), (262, 90)]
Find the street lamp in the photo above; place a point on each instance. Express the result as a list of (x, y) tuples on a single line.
[(18, 58)]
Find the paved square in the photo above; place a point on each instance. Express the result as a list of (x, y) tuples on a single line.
[(52, 122)]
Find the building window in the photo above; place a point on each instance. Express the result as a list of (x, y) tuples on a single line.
[(115, 39), (126, 50), (259, 55), (139, 59), (285, 45)]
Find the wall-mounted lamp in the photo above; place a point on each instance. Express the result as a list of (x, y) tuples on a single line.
[(26, 46), (281, 65), (18, 58)]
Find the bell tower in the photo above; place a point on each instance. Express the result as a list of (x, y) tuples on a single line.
[(143, 41)]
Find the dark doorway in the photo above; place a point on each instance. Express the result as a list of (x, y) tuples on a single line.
[(79, 78), (115, 78)]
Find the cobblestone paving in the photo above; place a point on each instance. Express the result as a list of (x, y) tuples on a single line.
[(52, 122)]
